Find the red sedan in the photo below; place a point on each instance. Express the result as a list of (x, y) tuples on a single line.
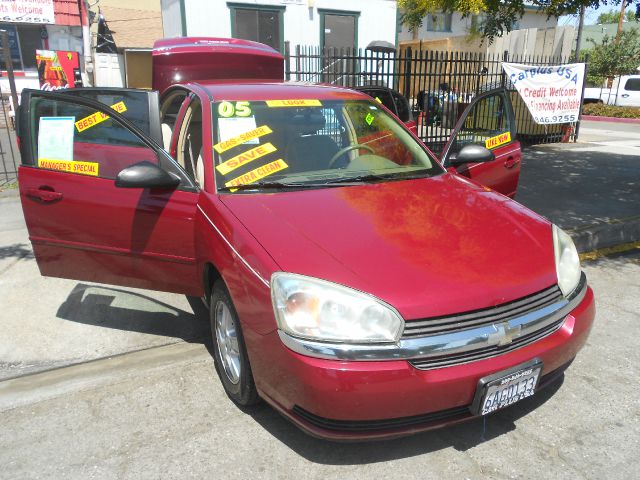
[(354, 283)]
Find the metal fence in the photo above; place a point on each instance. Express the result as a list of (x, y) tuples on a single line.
[(9, 154), (438, 85)]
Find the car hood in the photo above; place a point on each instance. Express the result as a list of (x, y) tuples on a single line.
[(429, 247)]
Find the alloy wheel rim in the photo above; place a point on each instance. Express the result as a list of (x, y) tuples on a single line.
[(227, 340)]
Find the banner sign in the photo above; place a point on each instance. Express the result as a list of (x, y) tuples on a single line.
[(27, 11), (58, 69), (552, 93)]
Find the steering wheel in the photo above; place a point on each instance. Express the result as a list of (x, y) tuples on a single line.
[(342, 151)]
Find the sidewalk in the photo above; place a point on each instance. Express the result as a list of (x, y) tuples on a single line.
[(590, 188)]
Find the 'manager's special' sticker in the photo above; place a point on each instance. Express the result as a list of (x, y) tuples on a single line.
[(98, 117), (258, 173), (242, 138), (298, 102), (246, 157), (498, 140), (82, 168)]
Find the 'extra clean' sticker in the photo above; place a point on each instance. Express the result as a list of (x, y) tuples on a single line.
[(246, 157), (297, 102), (498, 140), (242, 138), (258, 173), (82, 168), (98, 117)]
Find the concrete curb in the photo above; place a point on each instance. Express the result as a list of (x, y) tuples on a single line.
[(606, 234), (594, 118)]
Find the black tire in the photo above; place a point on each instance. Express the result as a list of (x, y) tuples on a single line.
[(238, 385)]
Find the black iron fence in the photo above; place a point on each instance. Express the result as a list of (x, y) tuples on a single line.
[(438, 85)]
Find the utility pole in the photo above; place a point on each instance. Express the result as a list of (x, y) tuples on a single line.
[(623, 5), (579, 39)]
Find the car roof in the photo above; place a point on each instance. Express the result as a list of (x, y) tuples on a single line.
[(256, 90)]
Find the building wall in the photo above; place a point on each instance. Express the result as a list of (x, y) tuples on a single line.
[(377, 19), (460, 26)]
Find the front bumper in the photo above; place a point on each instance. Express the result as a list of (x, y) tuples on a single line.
[(351, 400)]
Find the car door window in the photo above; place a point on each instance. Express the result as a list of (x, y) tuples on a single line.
[(63, 135), (402, 107), (140, 107), (189, 148), (488, 123)]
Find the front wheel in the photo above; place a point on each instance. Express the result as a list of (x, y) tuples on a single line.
[(230, 351)]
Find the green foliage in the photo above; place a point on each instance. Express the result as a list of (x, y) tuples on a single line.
[(500, 15), (611, 58), (612, 16), (601, 110)]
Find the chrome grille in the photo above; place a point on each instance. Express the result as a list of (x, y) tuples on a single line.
[(487, 316)]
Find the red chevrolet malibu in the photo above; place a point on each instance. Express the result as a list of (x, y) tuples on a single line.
[(361, 286)]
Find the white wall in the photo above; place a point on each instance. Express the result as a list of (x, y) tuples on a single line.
[(171, 21), (377, 20), (460, 26)]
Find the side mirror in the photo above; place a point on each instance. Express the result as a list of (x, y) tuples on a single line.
[(471, 154), (146, 175)]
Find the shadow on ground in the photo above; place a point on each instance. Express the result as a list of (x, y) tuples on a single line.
[(125, 310), (17, 250), (574, 187)]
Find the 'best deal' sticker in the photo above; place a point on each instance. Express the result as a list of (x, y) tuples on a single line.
[(82, 168), (246, 157), (258, 173), (98, 117), (498, 140)]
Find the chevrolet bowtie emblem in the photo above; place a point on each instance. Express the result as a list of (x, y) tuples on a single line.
[(504, 334)]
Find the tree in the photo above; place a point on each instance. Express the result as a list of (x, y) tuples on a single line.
[(609, 59), (499, 15), (612, 16)]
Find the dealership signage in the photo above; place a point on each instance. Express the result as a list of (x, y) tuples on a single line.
[(27, 11), (552, 93)]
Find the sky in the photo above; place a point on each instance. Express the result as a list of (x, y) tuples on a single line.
[(590, 15)]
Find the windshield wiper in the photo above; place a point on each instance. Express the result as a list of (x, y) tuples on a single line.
[(373, 177), (270, 186)]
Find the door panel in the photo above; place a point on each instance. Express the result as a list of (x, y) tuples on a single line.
[(489, 121), (81, 225)]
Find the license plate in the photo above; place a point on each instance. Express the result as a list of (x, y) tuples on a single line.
[(507, 387)]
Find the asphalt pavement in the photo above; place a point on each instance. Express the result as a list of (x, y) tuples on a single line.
[(162, 413)]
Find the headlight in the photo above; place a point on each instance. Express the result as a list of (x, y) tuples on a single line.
[(567, 261), (315, 309)]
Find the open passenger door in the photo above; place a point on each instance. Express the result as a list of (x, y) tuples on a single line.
[(102, 201), (488, 121)]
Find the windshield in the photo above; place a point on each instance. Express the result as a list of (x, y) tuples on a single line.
[(295, 144)]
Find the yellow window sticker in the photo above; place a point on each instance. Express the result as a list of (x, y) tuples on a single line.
[(498, 140), (242, 138), (82, 168), (297, 102), (98, 117), (246, 157), (369, 119), (239, 109), (258, 173)]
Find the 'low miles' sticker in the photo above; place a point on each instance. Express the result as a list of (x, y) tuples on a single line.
[(258, 173), (82, 168), (242, 138), (498, 140), (98, 117), (246, 157)]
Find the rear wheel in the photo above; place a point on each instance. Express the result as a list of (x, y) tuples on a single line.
[(230, 352)]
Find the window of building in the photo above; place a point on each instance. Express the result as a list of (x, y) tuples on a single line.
[(24, 40), (439, 22), (259, 23)]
